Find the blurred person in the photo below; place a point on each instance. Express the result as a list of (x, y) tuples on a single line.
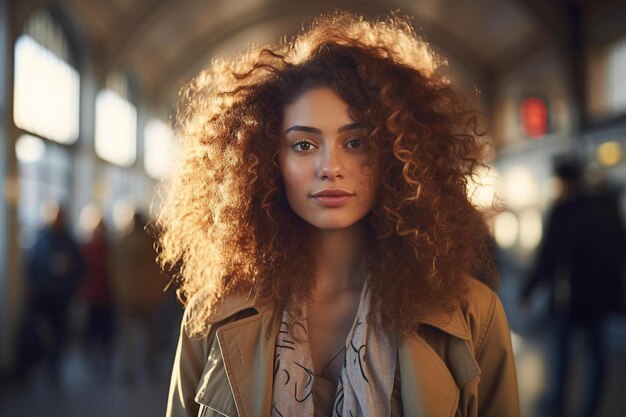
[(325, 239), (138, 291), (97, 295), (54, 269), (581, 257)]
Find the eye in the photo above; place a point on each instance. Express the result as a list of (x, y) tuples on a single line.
[(354, 144), (302, 146)]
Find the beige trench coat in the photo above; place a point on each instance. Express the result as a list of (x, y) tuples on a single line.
[(454, 365)]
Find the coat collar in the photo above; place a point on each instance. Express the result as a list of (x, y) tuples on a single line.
[(430, 387), (233, 304), (453, 322)]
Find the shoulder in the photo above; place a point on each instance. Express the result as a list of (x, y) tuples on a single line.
[(472, 314), (484, 314), (479, 301)]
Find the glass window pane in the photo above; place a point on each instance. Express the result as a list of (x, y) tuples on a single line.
[(46, 97), (45, 173), (616, 77), (29, 148), (157, 148), (116, 129)]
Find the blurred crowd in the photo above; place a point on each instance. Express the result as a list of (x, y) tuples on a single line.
[(581, 265), (104, 296)]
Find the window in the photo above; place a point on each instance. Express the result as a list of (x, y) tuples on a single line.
[(46, 110), (157, 148), (616, 77), (116, 123), (45, 173), (46, 98)]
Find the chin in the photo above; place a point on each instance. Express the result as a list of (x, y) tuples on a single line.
[(332, 226), (336, 223)]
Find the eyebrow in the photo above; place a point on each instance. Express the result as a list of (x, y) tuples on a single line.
[(314, 130)]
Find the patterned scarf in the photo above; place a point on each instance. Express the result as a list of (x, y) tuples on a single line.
[(366, 382)]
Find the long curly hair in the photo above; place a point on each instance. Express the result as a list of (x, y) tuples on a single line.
[(226, 226)]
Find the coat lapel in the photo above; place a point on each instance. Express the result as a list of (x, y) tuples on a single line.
[(247, 348), (430, 386), (428, 389)]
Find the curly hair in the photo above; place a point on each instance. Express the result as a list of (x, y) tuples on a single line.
[(226, 224)]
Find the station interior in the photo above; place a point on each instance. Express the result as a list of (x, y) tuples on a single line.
[(88, 94)]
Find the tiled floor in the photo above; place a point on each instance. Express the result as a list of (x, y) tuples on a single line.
[(533, 335), (531, 359), (83, 392)]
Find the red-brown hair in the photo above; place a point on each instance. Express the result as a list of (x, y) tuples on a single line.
[(226, 224)]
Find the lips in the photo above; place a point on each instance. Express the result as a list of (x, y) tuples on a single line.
[(334, 192), (332, 197)]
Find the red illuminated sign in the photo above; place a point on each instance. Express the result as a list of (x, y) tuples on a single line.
[(534, 117)]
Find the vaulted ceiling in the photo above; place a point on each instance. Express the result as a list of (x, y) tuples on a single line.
[(166, 42)]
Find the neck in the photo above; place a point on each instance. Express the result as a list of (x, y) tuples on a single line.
[(339, 262)]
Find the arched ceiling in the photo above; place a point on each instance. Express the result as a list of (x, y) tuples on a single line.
[(165, 42)]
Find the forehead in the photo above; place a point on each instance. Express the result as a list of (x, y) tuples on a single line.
[(318, 107)]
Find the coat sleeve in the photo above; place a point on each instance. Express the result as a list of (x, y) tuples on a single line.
[(191, 356), (497, 391)]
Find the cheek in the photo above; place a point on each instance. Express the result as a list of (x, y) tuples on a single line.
[(292, 175), (369, 177)]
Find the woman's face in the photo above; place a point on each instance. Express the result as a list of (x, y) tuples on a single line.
[(329, 178)]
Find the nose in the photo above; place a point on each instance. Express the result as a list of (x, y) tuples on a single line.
[(330, 164)]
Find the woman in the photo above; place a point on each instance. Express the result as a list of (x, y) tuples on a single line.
[(98, 298), (323, 240)]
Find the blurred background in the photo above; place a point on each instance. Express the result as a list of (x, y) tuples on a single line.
[(87, 96)]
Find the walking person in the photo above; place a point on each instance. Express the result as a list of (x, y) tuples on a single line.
[(97, 295), (581, 257), (54, 270), (138, 291)]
